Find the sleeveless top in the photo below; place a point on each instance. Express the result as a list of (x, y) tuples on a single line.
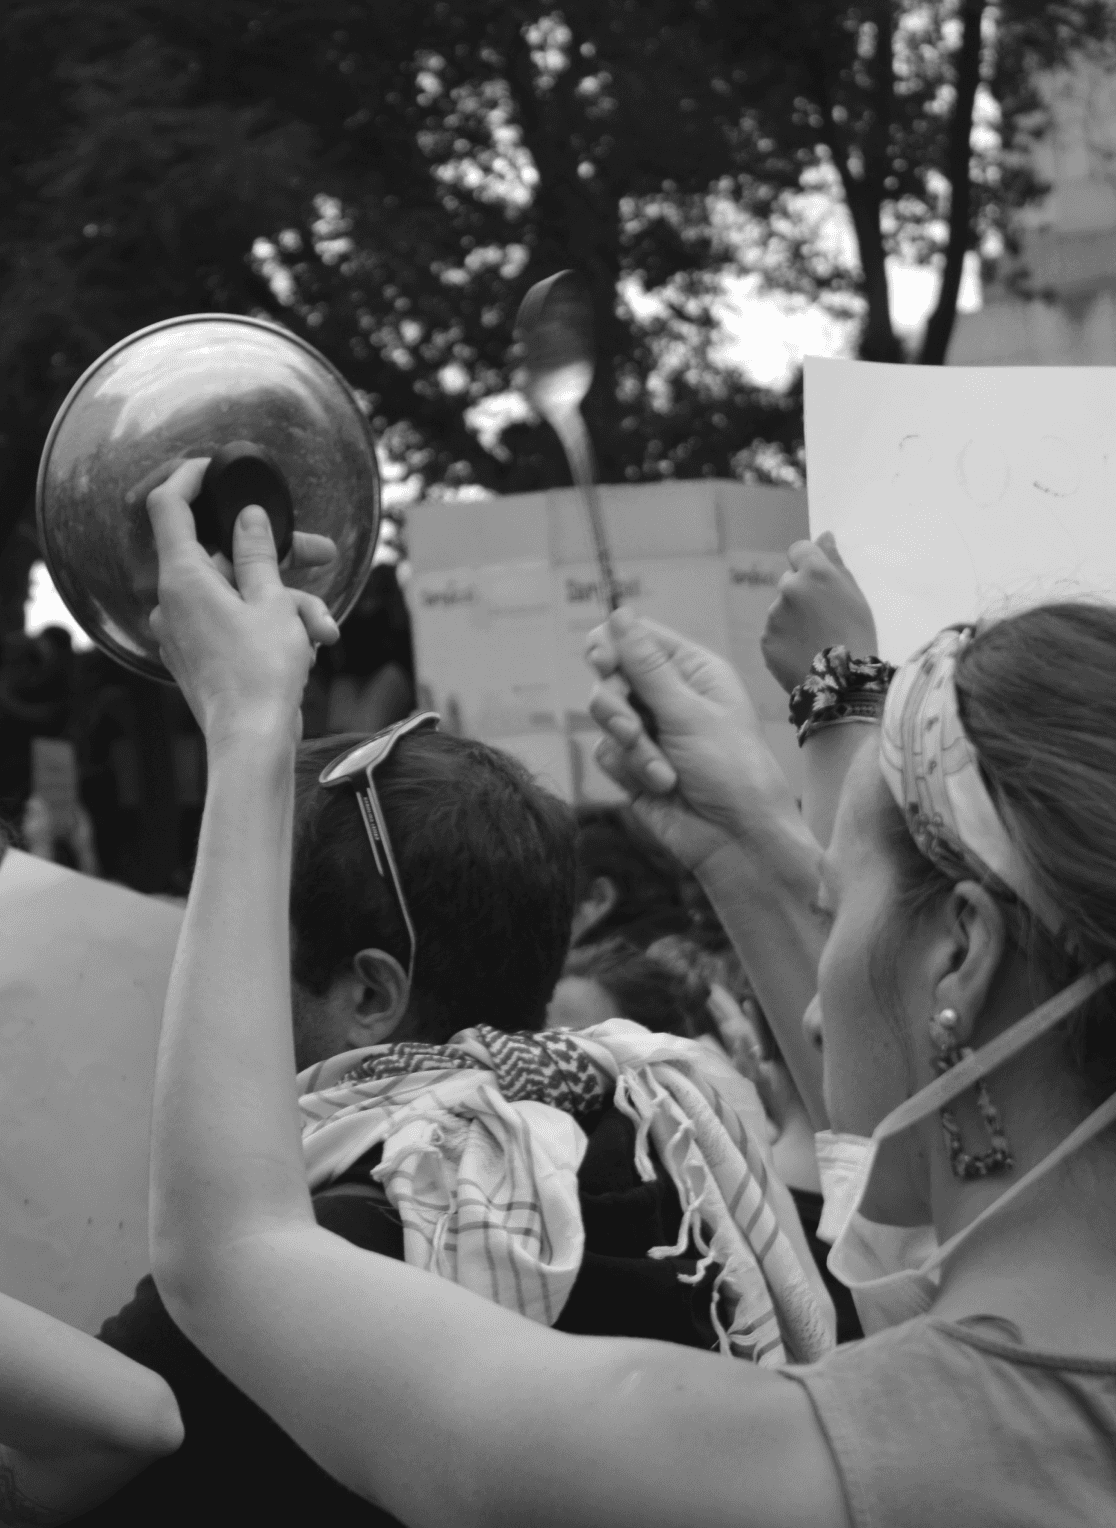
[(936, 1422)]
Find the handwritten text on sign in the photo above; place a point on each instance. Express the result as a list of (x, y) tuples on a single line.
[(960, 491)]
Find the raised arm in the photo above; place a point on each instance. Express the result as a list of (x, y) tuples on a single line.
[(713, 792), (77, 1420), (442, 1407), (819, 604)]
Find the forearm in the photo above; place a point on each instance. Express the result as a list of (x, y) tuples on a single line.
[(763, 894), (77, 1420), (226, 1153), (826, 757)]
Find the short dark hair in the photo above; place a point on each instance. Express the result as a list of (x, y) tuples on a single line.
[(649, 991), (486, 857), (648, 879)]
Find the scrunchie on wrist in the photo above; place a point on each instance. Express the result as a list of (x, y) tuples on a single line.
[(839, 689)]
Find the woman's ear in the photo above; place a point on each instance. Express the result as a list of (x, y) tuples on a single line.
[(382, 1001), (971, 951)]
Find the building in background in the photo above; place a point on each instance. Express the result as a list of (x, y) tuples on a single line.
[(1063, 312)]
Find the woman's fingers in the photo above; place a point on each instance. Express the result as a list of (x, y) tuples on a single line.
[(614, 761), (321, 628), (137, 494), (610, 709), (168, 505), (255, 564), (828, 543), (309, 551), (600, 651)]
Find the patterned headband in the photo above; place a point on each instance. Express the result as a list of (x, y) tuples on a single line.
[(931, 769)]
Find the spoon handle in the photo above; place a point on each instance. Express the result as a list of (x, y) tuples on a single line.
[(569, 426)]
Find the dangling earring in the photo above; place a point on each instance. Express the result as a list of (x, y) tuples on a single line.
[(943, 1034)]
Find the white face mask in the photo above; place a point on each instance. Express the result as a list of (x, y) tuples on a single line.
[(893, 1271)]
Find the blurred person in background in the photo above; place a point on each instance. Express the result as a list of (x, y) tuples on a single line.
[(107, 729), (627, 884), (615, 979), (373, 665), (34, 702)]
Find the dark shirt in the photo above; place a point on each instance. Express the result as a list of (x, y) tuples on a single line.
[(236, 1466)]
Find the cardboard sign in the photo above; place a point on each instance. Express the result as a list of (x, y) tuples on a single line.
[(84, 967), (955, 492), (504, 591)]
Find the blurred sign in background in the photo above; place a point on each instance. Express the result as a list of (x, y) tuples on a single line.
[(503, 593)]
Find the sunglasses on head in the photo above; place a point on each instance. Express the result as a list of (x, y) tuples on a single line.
[(357, 767)]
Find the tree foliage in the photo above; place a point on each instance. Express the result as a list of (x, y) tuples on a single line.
[(388, 180)]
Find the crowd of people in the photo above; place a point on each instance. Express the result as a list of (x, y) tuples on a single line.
[(128, 804), (724, 1157)]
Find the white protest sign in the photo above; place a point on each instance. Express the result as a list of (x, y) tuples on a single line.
[(84, 967), (955, 492)]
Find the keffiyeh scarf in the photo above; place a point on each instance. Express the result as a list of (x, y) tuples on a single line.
[(481, 1148)]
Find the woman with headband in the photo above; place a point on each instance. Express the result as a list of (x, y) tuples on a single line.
[(960, 938)]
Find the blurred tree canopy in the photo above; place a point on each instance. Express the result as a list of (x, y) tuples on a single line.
[(387, 179)]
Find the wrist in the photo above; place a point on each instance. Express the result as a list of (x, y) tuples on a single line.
[(246, 752), (781, 857), (839, 688)]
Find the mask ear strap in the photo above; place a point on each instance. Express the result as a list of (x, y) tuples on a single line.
[(959, 1079), (1090, 1126)]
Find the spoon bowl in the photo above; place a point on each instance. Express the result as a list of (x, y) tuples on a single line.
[(555, 327)]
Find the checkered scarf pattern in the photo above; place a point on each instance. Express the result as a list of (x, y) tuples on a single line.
[(549, 1068), (481, 1148)]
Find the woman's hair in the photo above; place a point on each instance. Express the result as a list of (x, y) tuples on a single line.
[(486, 858), (1037, 700)]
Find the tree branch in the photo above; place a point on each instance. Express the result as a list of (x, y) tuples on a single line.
[(939, 328), (863, 198)]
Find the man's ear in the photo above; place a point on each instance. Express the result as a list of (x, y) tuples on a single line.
[(594, 908), (381, 1001), (969, 956)]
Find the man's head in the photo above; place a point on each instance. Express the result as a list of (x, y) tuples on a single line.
[(486, 858)]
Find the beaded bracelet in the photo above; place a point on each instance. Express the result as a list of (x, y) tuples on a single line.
[(839, 689)]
